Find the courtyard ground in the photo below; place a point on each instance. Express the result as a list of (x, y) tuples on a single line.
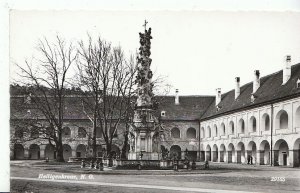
[(37, 176)]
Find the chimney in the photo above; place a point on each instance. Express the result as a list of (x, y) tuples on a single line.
[(256, 81), (218, 96), (176, 97), (286, 70), (237, 87)]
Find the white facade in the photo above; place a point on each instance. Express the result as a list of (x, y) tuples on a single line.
[(253, 137)]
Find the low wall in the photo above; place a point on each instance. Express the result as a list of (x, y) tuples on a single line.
[(86, 159)]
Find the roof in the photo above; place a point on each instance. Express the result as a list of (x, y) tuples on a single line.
[(270, 89), (20, 110), (189, 107)]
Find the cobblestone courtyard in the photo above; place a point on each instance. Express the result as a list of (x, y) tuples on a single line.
[(26, 177)]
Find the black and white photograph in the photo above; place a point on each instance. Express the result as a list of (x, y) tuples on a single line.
[(163, 96)]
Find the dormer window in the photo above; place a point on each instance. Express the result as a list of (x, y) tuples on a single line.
[(163, 113), (218, 107), (298, 83)]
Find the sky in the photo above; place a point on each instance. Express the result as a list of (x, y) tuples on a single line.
[(197, 51)]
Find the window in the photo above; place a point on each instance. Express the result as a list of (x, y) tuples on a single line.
[(98, 132), (242, 125), (216, 130), (223, 129), (208, 132), (81, 132), (231, 125), (34, 132), (253, 123), (202, 135), (265, 122), (163, 113), (19, 132), (297, 117), (49, 131), (191, 133), (284, 120), (66, 132), (175, 133)]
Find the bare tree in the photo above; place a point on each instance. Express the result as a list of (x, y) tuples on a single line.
[(108, 79), (47, 76)]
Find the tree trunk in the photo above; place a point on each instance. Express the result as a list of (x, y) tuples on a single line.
[(59, 147), (60, 152), (94, 143), (109, 155), (94, 139), (124, 149)]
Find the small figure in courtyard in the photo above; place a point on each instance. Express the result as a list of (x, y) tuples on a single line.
[(206, 165), (251, 160), (248, 159), (141, 156), (82, 163)]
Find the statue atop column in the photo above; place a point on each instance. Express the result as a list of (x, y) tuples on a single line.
[(144, 75), (144, 141)]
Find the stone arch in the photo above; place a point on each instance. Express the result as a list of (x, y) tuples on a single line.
[(81, 150), (18, 151), (240, 151), (231, 153), (202, 134), (50, 151), (231, 126), (241, 126), (191, 133), (215, 130), (251, 152), (296, 153), (66, 132), (208, 153), (175, 150), (34, 151), (223, 129), (253, 124), (81, 132), (282, 120), (215, 153), (281, 153), (208, 132), (297, 117), (264, 153), (222, 153), (67, 152), (175, 132), (265, 122)]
